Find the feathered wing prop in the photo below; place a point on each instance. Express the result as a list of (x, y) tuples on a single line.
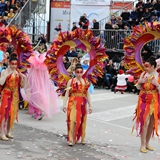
[(134, 43), (23, 47), (77, 39)]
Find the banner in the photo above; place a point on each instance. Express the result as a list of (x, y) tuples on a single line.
[(60, 18), (90, 2), (92, 12)]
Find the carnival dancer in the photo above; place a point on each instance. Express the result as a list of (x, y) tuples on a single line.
[(11, 79), (77, 96), (121, 82), (147, 111), (85, 64), (40, 91)]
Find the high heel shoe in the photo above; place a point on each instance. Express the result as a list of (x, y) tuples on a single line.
[(150, 148), (143, 150), (9, 136), (4, 138), (70, 144)]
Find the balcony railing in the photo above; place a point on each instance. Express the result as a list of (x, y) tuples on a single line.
[(113, 39)]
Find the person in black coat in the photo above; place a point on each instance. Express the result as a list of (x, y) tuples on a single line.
[(83, 22), (125, 14), (42, 39), (110, 71), (146, 53), (95, 28), (74, 26)]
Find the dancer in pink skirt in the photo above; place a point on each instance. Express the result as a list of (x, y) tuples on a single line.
[(40, 90)]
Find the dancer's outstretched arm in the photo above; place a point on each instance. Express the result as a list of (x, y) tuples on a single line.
[(65, 100), (89, 102), (23, 80), (3, 77)]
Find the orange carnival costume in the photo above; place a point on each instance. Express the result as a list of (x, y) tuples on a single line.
[(77, 94), (148, 104), (10, 99), (10, 84), (77, 110)]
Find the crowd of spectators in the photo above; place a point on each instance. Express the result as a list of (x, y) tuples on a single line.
[(144, 11), (8, 9)]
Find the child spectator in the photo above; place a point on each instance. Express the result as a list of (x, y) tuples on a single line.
[(121, 82), (10, 14)]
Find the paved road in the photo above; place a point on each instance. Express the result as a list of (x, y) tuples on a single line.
[(108, 134)]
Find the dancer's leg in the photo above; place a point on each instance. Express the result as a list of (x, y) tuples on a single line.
[(71, 134), (3, 136), (144, 134), (149, 131), (9, 135), (38, 113)]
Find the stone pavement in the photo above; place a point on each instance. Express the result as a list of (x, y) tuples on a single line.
[(108, 134), (34, 144)]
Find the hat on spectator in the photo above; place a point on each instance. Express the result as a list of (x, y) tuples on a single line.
[(120, 71), (84, 58)]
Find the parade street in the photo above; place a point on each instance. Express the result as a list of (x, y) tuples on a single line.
[(108, 134)]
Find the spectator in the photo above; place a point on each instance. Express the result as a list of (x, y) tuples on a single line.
[(121, 66), (4, 20), (71, 70), (153, 18), (148, 5), (42, 39), (108, 33), (95, 28), (108, 25), (133, 16), (110, 72), (121, 82), (139, 15), (114, 34), (66, 62), (113, 20), (10, 14), (2, 8), (146, 53), (74, 26), (83, 22), (17, 5), (7, 9), (122, 23), (140, 4), (156, 6), (72, 53), (125, 14), (146, 15), (10, 49), (125, 32)]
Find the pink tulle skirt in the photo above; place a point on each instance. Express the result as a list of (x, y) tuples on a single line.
[(39, 91)]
